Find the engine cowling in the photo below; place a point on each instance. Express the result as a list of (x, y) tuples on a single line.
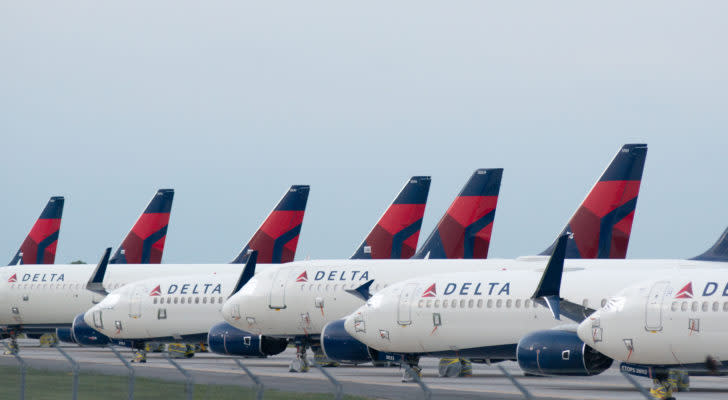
[(339, 346), (65, 335), (85, 335), (224, 338), (556, 352)]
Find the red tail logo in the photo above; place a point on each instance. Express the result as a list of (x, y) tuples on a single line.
[(13, 278), (157, 291), (430, 292), (303, 277), (686, 292)]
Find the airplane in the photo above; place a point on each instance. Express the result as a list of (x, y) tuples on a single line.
[(46, 298), (394, 235), (39, 247), (298, 299), (502, 312), (672, 323)]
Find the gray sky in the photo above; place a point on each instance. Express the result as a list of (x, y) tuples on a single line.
[(230, 102)]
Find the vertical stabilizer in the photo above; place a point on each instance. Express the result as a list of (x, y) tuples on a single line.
[(145, 242), (39, 247)]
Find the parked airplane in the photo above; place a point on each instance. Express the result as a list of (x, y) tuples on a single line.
[(39, 298), (498, 313), (673, 322), (165, 313), (297, 300), (39, 247)]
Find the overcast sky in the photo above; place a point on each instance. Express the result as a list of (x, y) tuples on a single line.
[(230, 102)]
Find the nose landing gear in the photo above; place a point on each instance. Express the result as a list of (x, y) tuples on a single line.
[(452, 367), (300, 363)]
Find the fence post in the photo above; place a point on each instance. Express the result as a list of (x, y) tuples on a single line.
[(188, 378), (258, 384), (74, 368), (23, 368), (132, 377), (416, 377), (637, 385), (338, 388), (521, 388)]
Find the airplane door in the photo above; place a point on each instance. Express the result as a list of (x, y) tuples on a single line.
[(277, 296), (135, 305), (653, 310), (404, 312)]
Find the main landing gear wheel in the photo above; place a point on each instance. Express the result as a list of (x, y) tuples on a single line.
[(300, 363), (452, 367), (13, 345), (140, 356)]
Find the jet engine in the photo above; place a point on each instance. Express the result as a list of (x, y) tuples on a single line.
[(65, 335), (84, 334), (339, 346), (224, 338), (556, 352)]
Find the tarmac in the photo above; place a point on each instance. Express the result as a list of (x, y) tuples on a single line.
[(487, 382)]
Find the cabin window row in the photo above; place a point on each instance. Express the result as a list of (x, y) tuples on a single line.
[(311, 287), (188, 300), (695, 306), (69, 286), (489, 303)]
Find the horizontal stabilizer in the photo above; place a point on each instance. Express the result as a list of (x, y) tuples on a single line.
[(96, 282), (247, 273), (719, 251), (362, 291)]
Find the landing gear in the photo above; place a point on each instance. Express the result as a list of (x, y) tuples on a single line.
[(13, 345), (300, 363), (679, 379), (140, 356), (180, 350), (663, 386), (452, 367)]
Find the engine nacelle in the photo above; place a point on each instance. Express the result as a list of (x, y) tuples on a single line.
[(224, 338), (65, 335), (555, 352), (85, 335), (339, 346)]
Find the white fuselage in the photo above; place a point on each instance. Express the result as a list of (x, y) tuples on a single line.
[(53, 295), (163, 307), (679, 318), (300, 298)]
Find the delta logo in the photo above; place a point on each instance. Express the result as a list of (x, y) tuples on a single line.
[(303, 277), (157, 291), (430, 292), (686, 292), (13, 278)]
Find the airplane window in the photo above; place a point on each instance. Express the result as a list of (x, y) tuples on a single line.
[(518, 303), (31, 286), (705, 306), (725, 306), (684, 306), (604, 302), (327, 287), (176, 300), (490, 303), (454, 304), (508, 303), (480, 303), (155, 301), (181, 300), (212, 300), (169, 300), (303, 287), (444, 304), (334, 289), (437, 303), (462, 303), (694, 306), (319, 287), (499, 303), (470, 303), (716, 306), (219, 300), (197, 300), (204, 300), (419, 303), (429, 304), (189, 300), (673, 307)]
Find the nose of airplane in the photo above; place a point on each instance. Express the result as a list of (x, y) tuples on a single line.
[(585, 329), (88, 315)]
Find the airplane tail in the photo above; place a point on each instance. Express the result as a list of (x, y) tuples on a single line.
[(601, 226), (398, 230), (719, 251), (39, 247), (277, 238), (465, 229), (145, 242)]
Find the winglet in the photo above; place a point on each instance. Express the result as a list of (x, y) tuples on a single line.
[(248, 271), (362, 291), (96, 282), (549, 287)]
